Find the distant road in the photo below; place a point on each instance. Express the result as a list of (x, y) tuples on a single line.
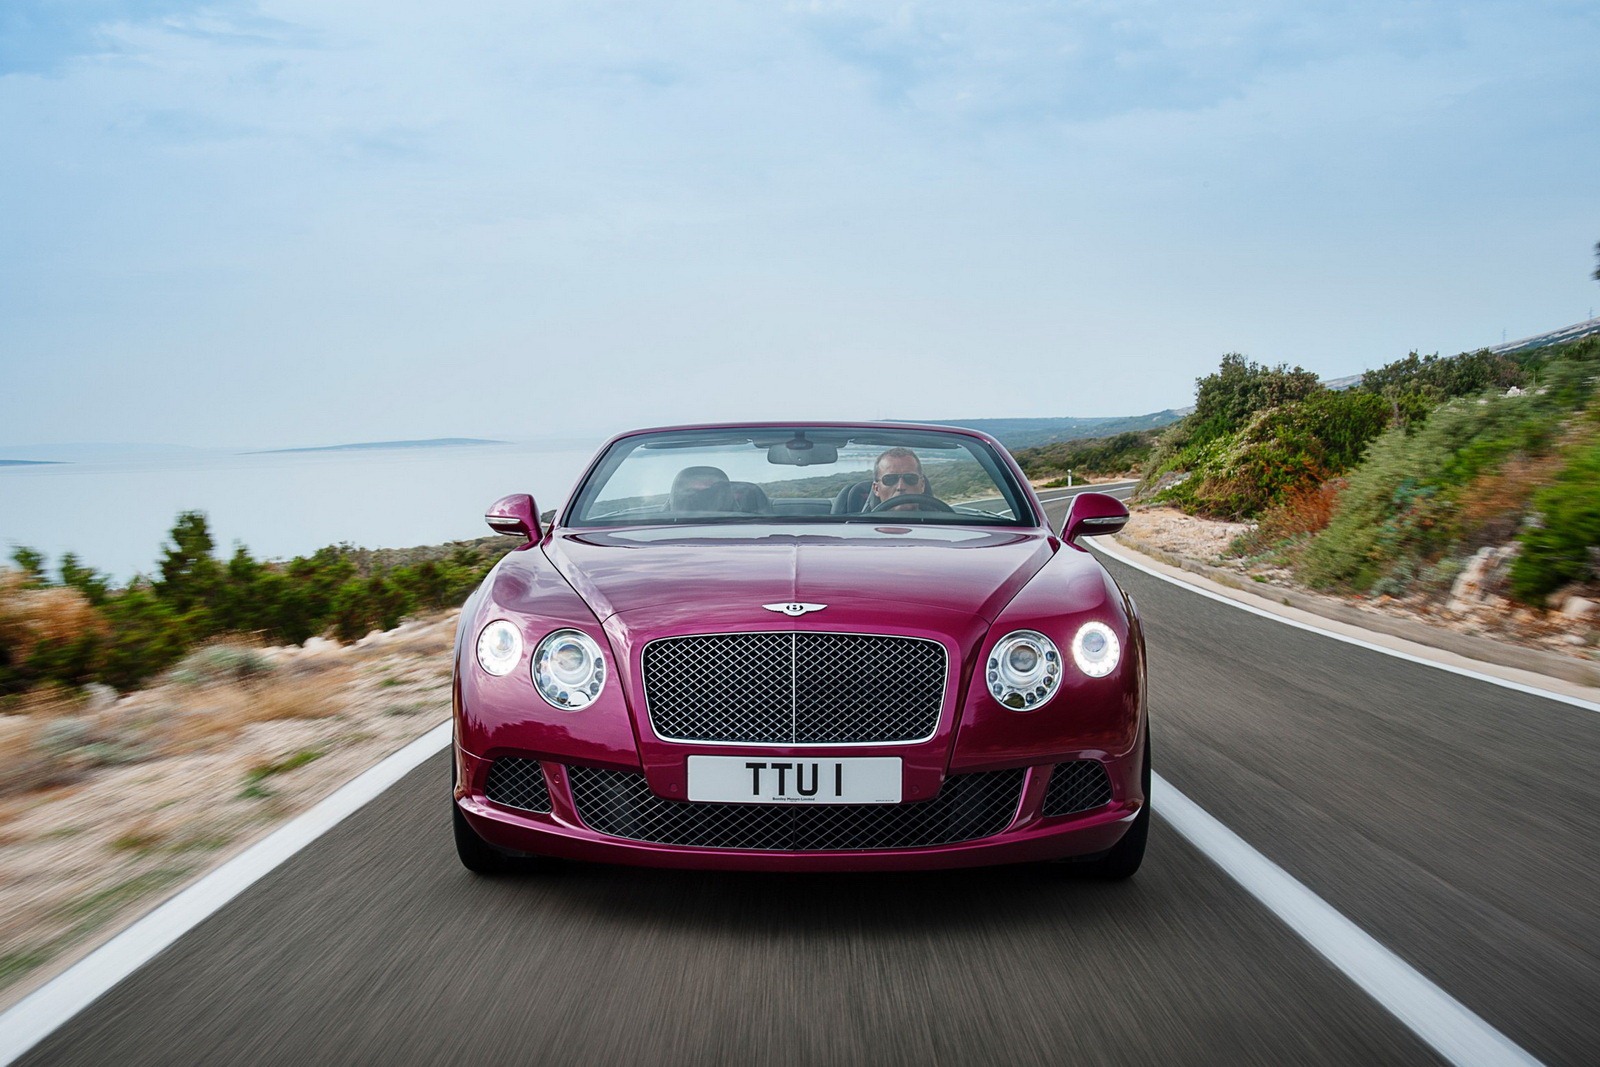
[(1452, 820), (1575, 332)]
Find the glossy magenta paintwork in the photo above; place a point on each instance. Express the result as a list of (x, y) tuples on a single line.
[(964, 587), (1092, 515)]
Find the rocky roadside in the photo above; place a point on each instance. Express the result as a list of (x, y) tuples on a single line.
[(108, 805), (1477, 604)]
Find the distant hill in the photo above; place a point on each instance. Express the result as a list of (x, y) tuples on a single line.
[(431, 442), (1025, 433), (30, 463)]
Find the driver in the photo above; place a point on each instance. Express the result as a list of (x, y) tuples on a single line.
[(898, 472)]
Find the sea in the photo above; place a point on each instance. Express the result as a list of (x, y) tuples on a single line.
[(114, 505)]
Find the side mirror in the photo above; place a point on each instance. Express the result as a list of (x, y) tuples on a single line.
[(1093, 514), (515, 515)]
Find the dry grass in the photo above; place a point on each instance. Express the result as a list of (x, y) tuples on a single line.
[(35, 746), (30, 617), (48, 701), (201, 716)]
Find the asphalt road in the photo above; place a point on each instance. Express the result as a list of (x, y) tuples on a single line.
[(1453, 820)]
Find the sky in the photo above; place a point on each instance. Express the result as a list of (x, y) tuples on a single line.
[(270, 223)]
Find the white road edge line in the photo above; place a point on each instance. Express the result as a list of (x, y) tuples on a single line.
[(1505, 683), (41, 1012), (1443, 1022)]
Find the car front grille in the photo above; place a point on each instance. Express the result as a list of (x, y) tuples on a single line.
[(518, 783), (1081, 785), (969, 806), (794, 688)]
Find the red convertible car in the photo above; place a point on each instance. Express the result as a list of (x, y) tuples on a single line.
[(801, 647)]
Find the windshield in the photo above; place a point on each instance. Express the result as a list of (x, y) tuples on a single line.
[(799, 474)]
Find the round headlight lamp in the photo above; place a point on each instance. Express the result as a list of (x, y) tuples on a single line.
[(499, 648), (1023, 670), (569, 670), (1095, 649)]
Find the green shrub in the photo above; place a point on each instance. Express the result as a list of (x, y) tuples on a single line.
[(1281, 450), (1560, 547), (1467, 374), (1398, 513), (81, 629), (147, 637), (1257, 434), (1226, 399)]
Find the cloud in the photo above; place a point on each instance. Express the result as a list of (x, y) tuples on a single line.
[(1087, 198), (45, 36), (1091, 60)]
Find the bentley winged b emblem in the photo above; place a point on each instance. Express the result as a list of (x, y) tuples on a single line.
[(794, 609)]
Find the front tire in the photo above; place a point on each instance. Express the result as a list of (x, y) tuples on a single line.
[(1124, 858), (476, 854)]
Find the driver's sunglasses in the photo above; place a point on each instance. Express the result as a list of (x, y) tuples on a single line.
[(908, 479)]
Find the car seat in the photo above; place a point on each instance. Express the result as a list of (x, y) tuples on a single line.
[(852, 499), (750, 498)]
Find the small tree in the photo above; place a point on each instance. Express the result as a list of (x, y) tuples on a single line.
[(190, 574), (1226, 399), (31, 562), (86, 580)]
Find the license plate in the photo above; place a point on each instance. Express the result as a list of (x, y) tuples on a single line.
[(780, 780)]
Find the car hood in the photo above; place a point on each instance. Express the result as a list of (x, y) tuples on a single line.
[(669, 578)]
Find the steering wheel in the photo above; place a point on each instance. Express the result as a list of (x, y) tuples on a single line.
[(924, 502)]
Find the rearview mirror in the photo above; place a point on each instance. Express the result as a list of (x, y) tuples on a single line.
[(1092, 515), (515, 515), (802, 453)]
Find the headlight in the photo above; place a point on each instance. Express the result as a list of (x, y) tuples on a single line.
[(1095, 650), (1024, 669), (499, 648), (569, 670)]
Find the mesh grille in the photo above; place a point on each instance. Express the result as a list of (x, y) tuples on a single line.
[(794, 688), (518, 783), (1077, 786), (969, 806)]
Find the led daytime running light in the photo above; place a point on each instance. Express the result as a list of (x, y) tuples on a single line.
[(499, 648), (1096, 650)]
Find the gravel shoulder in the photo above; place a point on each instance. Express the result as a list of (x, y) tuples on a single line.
[(111, 805)]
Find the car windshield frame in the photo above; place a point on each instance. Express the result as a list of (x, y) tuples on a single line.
[(963, 445)]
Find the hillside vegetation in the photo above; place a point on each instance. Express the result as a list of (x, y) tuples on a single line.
[(73, 626), (1095, 457), (1391, 485), (1018, 434)]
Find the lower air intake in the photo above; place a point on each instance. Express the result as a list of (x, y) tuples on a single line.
[(969, 806), (1081, 785), (518, 783)]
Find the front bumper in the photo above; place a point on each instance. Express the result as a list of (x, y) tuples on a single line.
[(1028, 835)]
